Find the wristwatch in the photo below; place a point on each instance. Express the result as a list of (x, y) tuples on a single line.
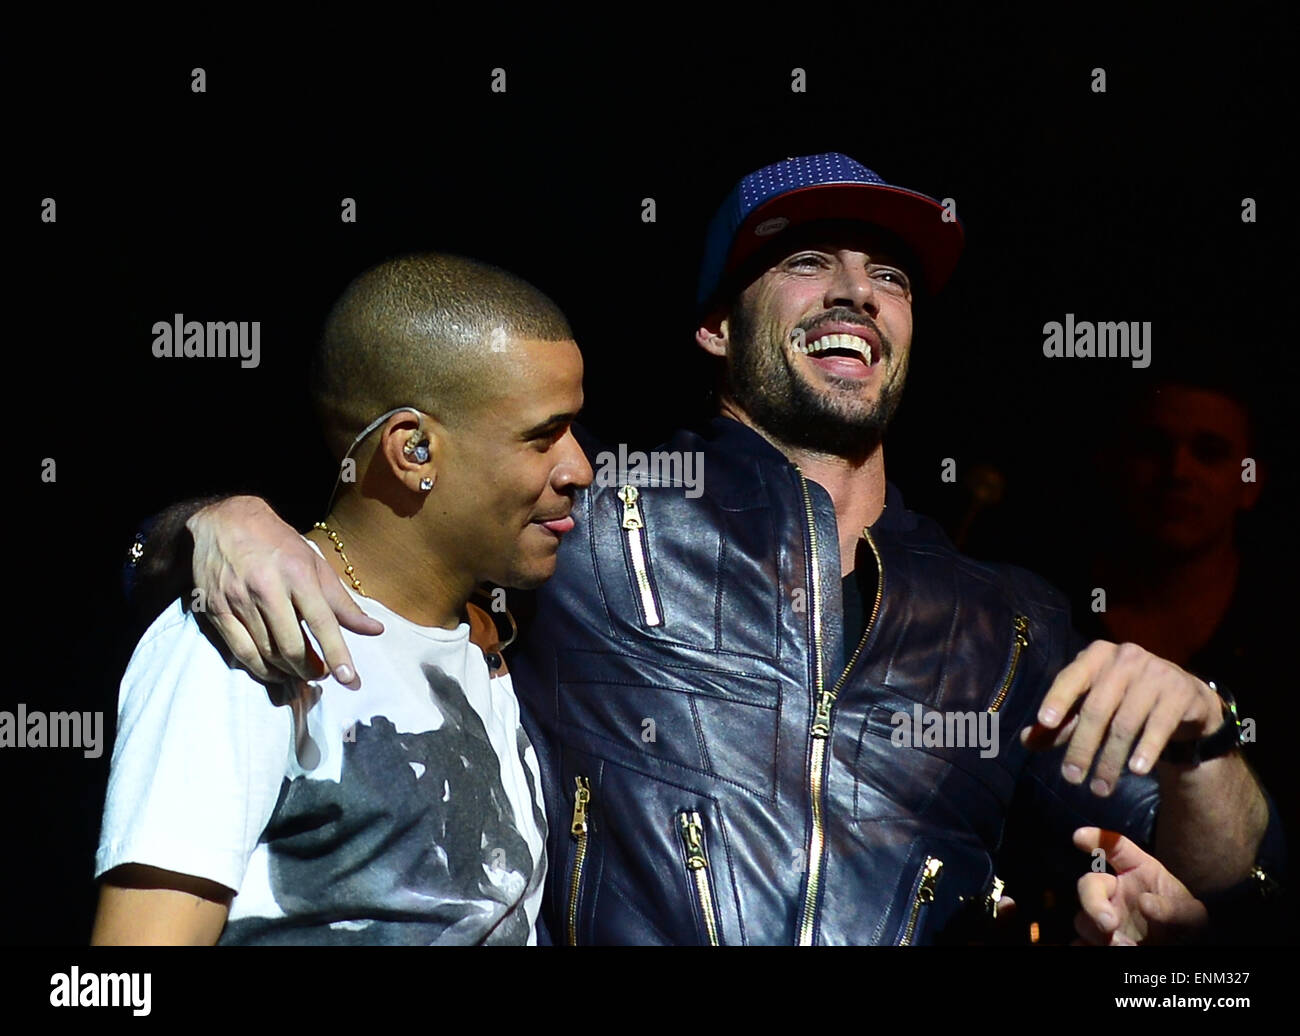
[(1220, 743)]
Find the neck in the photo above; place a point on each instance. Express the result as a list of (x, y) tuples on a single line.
[(395, 563), (1149, 578), (856, 484)]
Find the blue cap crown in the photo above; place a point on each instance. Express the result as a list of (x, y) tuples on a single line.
[(827, 186)]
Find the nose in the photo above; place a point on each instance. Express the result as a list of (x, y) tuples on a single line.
[(573, 471), (851, 286), (1183, 466)]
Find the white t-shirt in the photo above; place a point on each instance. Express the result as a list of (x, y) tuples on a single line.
[(408, 812)]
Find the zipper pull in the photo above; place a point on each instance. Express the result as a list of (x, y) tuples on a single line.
[(822, 721), (693, 836), (995, 896), (924, 895), (697, 862), (1266, 885), (631, 512), (925, 891), (1022, 630), (580, 800)]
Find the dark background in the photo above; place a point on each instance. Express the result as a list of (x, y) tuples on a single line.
[(225, 206)]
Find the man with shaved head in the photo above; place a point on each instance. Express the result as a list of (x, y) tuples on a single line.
[(410, 811)]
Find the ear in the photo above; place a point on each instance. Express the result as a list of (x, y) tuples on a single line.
[(405, 429), (714, 333)]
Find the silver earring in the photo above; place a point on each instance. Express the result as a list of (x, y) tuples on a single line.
[(426, 483)]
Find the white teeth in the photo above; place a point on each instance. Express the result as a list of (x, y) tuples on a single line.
[(839, 341)]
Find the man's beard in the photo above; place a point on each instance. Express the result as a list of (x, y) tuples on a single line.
[(761, 379)]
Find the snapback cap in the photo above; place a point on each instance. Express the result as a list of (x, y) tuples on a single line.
[(830, 186)]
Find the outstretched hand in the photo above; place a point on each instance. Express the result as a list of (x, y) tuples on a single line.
[(260, 581), (1141, 904), (1118, 705)]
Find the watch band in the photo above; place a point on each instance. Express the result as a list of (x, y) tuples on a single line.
[(1220, 743)]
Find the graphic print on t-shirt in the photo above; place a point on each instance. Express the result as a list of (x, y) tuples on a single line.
[(403, 811), (417, 841)]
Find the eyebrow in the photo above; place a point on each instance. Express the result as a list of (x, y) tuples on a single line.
[(551, 424)]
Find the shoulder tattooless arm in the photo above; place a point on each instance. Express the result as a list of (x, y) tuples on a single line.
[(157, 565)]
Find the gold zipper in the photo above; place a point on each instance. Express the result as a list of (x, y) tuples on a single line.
[(634, 526), (821, 727), (697, 861), (924, 895), (994, 899), (1019, 644), (579, 831)]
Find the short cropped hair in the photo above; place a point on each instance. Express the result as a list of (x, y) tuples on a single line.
[(419, 330)]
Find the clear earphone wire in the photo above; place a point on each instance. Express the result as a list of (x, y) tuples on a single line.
[(357, 442)]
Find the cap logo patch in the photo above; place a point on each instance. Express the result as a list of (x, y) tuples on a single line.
[(771, 226)]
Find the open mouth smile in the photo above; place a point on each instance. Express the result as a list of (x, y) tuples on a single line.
[(845, 352)]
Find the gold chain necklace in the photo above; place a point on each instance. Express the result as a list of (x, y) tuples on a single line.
[(347, 565)]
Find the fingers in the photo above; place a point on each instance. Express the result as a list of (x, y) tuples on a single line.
[(1142, 903), (244, 559), (344, 608), (1106, 690), (290, 649), (1095, 903), (1038, 738), (1088, 932), (321, 611), (263, 582), (239, 618), (241, 645), (1136, 695), (1103, 919), (1174, 707), (1173, 911), (1122, 854), (1101, 927), (1071, 683), (1089, 838), (262, 621), (1129, 705)]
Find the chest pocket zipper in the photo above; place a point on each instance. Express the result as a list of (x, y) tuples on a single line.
[(922, 897), (634, 530), (1020, 641), (581, 800), (697, 862)]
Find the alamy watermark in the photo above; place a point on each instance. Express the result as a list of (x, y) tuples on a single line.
[(94, 989), (215, 339), (1106, 340), (925, 728), (36, 729), (656, 468)]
